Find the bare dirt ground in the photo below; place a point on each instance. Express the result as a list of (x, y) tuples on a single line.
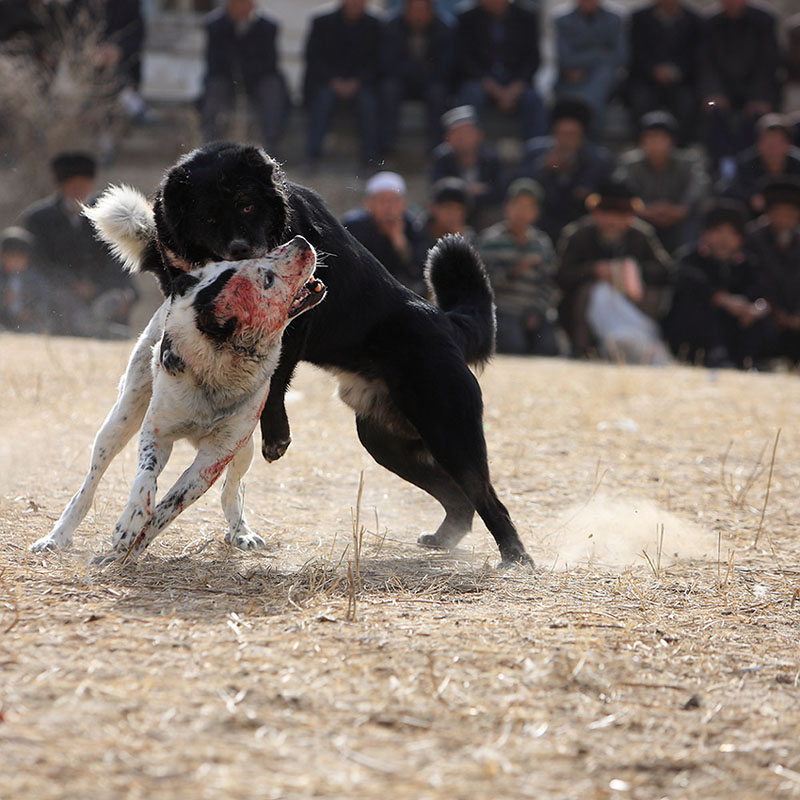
[(660, 661)]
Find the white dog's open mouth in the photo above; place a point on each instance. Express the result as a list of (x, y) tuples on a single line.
[(311, 294)]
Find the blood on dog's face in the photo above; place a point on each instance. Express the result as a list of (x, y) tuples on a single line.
[(250, 302), (222, 203)]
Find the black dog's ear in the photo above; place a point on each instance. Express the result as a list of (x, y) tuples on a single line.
[(269, 176), (169, 359)]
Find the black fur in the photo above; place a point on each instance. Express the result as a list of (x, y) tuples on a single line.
[(429, 428), (170, 360)]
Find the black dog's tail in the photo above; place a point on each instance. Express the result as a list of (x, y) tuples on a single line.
[(458, 284)]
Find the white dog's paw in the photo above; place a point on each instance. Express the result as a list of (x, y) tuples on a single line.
[(243, 538), (52, 542)]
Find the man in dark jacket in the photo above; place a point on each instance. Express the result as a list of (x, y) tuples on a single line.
[(343, 64), (567, 165), (739, 81), (497, 56), (242, 54), (417, 65), (388, 231), (615, 277), (718, 316), (92, 296), (664, 51)]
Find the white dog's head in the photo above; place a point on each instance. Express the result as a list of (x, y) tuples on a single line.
[(239, 306)]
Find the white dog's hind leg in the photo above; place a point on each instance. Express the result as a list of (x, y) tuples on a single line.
[(239, 534), (119, 426)]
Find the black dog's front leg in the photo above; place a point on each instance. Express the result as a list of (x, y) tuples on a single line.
[(275, 434)]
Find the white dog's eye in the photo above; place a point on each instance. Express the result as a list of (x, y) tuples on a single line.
[(269, 279)]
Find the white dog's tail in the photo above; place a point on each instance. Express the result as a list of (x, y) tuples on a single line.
[(124, 220)]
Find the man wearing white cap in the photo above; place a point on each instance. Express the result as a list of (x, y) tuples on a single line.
[(387, 230)]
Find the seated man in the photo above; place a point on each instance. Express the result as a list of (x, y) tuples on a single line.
[(91, 294), (465, 154), (387, 230), (665, 40), (773, 243), (241, 52), (447, 212), (772, 156), (591, 56), (567, 165), (671, 183), (497, 55), (718, 315), (740, 56), (615, 277), (343, 65), (24, 301), (417, 65), (521, 265)]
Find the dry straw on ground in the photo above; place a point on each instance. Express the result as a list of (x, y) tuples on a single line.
[(653, 654)]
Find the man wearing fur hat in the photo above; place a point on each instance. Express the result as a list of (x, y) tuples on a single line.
[(92, 296), (615, 276)]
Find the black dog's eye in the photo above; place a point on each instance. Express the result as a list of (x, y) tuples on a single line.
[(211, 221), (248, 209)]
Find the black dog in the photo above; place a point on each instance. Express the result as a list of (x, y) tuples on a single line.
[(401, 362)]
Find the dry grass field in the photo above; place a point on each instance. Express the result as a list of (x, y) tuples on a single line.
[(654, 653)]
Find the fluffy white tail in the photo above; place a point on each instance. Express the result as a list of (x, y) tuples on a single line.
[(124, 220)]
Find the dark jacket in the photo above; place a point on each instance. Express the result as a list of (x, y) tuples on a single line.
[(750, 172), (740, 57), (778, 267), (654, 41), (578, 250), (338, 49), (399, 62), (248, 56), (514, 55)]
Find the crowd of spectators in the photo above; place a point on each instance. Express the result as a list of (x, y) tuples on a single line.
[(681, 243)]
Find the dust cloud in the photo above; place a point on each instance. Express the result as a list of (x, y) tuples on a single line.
[(612, 533)]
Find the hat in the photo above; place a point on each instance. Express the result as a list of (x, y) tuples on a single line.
[(460, 115), (783, 189), (659, 121), (571, 108), (526, 186), (725, 211), (450, 190), (385, 182), (16, 240), (73, 165), (614, 196), (774, 122)]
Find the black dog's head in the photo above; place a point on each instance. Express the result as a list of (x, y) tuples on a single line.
[(222, 202)]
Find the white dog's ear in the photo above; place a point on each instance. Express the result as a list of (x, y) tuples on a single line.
[(124, 220)]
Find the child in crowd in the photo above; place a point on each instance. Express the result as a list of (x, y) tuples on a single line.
[(23, 290)]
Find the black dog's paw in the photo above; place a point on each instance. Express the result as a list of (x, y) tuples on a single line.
[(170, 360), (517, 559), (272, 451)]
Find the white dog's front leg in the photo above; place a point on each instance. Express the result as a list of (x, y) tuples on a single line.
[(239, 533), (121, 423)]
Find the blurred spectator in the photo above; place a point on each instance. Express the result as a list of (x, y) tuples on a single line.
[(497, 55), (773, 242), (242, 53), (772, 155), (521, 264), (92, 296), (664, 51), (615, 277), (738, 79), (447, 212), (717, 315), (591, 53), (446, 9), (567, 165), (23, 290), (464, 154), (387, 230), (417, 65), (793, 48), (670, 182), (343, 65)]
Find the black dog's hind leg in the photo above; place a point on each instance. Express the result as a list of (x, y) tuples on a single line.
[(410, 459)]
